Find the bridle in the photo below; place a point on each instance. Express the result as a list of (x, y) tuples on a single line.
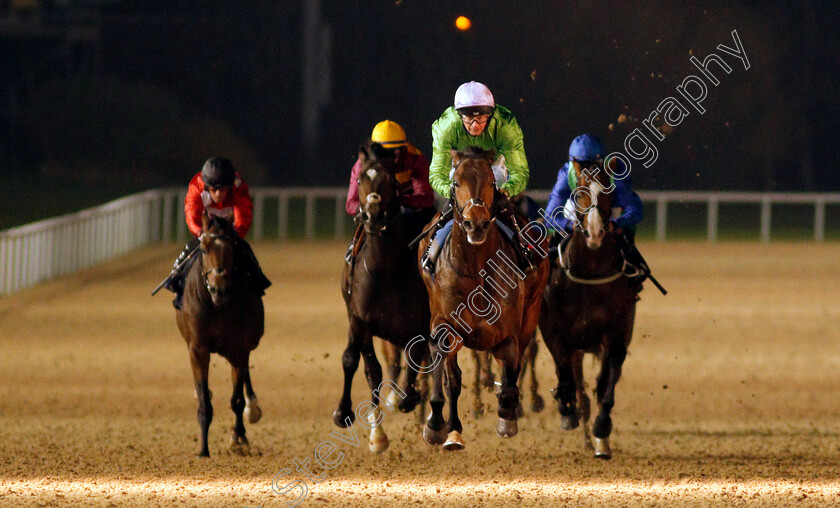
[(392, 213), (458, 215), (621, 272), (205, 273)]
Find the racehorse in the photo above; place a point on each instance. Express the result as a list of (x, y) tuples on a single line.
[(589, 307), (383, 293), (222, 313), (479, 298)]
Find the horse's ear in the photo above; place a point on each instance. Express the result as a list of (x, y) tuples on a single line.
[(364, 152), (611, 164), (456, 157), (491, 155)]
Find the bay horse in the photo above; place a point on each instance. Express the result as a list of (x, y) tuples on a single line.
[(589, 306), (222, 313), (479, 298), (383, 294)]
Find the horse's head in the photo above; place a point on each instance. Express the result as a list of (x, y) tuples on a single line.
[(473, 190), (593, 201), (379, 203), (217, 243)]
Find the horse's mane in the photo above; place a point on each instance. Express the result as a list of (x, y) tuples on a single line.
[(220, 225), (474, 152)]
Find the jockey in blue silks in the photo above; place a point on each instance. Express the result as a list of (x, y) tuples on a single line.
[(627, 206)]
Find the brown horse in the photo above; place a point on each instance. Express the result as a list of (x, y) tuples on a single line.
[(589, 307), (383, 293), (479, 298), (222, 313)]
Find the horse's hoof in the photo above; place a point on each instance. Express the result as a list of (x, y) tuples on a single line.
[(507, 428), (378, 443), (602, 448), (569, 422), (253, 412), (410, 402), (340, 418), (433, 437), (454, 442), (239, 445), (204, 454), (537, 403)]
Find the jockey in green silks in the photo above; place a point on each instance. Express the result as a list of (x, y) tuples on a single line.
[(475, 120)]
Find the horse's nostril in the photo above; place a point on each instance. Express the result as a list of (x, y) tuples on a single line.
[(468, 224), (485, 224), (366, 217)]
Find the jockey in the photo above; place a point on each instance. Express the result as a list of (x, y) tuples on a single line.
[(627, 206), (412, 177), (217, 191), (476, 120)]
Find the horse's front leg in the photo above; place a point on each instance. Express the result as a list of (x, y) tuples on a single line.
[(358, 333), (508, 394), (378, 442), (434, 432), (238, 371), (408, 403), (607, 379), (478, 405), (252, 409), (200, 362), (454, 441), (530, 365)]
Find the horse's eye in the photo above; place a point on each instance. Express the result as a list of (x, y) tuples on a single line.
[(455, 183)]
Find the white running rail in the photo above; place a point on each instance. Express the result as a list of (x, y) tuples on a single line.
[(63, 245)]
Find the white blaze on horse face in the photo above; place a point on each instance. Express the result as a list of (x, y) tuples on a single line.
[(594, 224), (371, 173)]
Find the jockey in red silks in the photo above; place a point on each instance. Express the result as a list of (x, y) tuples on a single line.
[(412, 175), (217, 191)]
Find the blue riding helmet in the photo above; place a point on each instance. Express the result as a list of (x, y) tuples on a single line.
[(586, 148)]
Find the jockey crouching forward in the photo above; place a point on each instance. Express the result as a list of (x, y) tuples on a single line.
[(628, 211), (476, 120), (412, 176), (217, 191)]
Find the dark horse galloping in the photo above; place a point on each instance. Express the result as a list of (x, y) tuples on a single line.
[(589, 307), (383, 293), (222, 313), (479, 298)]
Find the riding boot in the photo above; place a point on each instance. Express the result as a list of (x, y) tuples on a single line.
[(253, 269), (631, 254), (507, 215), (429, 258), (175, 281)]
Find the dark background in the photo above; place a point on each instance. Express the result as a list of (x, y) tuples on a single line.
[(117, 96)]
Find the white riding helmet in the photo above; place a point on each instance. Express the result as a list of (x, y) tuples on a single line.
[(473, 94)]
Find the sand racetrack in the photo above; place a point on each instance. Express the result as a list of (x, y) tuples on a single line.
[(729, 396)]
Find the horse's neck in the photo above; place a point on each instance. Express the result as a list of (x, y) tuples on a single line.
[(467, 258), (195, 278), (381, 252), (583, 261)]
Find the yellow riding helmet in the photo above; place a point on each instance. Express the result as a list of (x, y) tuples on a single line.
[(389, 134)]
